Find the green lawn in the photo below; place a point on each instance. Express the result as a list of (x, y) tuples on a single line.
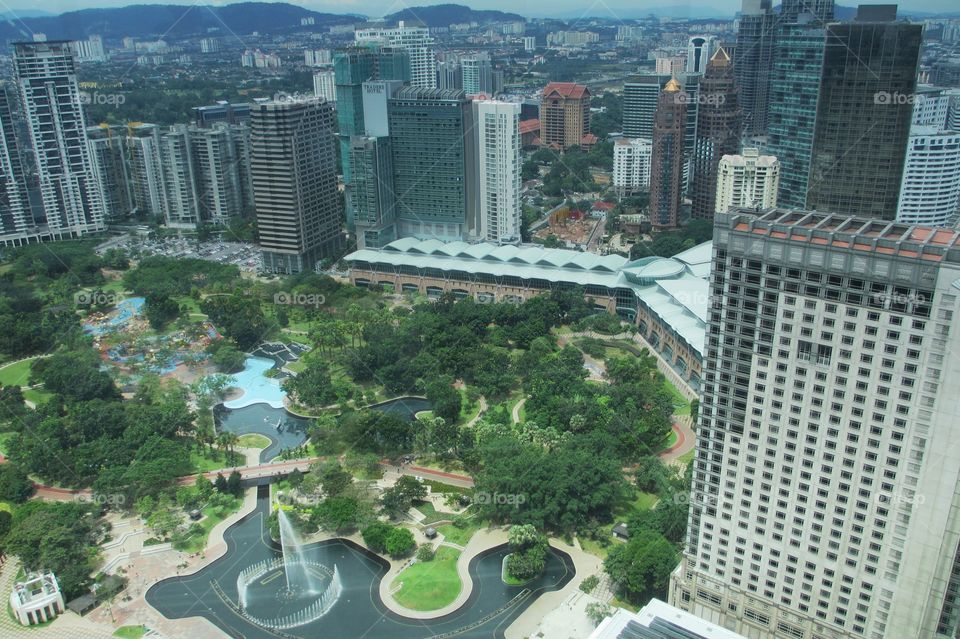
[(431, 516), (37, 395), (202, 463), (430, 585), (468, 409), (17, 374), (622, 511), (253, 440), (6, 506), (686, 458), (670, 440), (196, 543), (130, 632)]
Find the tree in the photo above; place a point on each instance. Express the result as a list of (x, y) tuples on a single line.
[(334, 478), (397, 499), (375, 536), (15, 486), (337, 513), (641, 567), (233, 484), (445, 400), (313, 385), (528, 552), (204, 487), (228, 358), (220, 483), (295, 478), (160, 309), (400, 543)]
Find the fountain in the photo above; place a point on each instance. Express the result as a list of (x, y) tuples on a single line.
[(292, 589)]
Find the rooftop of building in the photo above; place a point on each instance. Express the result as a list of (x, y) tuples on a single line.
[(566, 90), (846, 231), (35, 586), (659, 620), (529, 126), (675, 288)]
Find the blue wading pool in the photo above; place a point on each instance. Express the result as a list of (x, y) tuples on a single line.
[(257, 388)]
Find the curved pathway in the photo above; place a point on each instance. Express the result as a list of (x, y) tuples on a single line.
[(516, 409), (686, 440)]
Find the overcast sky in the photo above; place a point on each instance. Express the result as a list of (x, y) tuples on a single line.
[(523, 7)]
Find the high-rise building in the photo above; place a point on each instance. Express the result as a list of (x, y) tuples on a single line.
[(718, 131), (864, 114), (209, 45), (564, 114), (50, 97), (294, 170), (640, 96), (324, 84), (753, 62), (449, 75), (699, 51), (223, 111), (840, 110), (666, 158), (109, 159), (317, 57), (827, 460), (819, 10), (529, 44), (16, 218), (434, 161), (181, 202), (631, 165), (371, 192), (146, 170), (89, 50), (477, 73), (930, 190), (418, 44), (498, 145), (218, 171), (748, 180)]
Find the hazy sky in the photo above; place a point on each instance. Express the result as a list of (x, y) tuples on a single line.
[(523, 7)]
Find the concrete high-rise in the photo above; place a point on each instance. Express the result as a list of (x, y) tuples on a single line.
[(666, 159), (753, 62), (324, 84), (219, 172), (477, 73), (631, 165), (840, 111), (16, 218), (146, 170), (416, 41), (719, 124), (294, 170), (640, 96), (181, 202), (564, 114), (434, 163), (819, 10), (372, 197), (498, 146), (747, 180), (824, 492), (699, 51), (109, 157), (46, 77)]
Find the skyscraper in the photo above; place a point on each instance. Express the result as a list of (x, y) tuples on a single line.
[(109, 159), (146, 171), (434, 159), (477, 75), (824, 492), (46, 76), (699, 51), (631, 165), (417, 43), (324, 84), (864, 114), (181, 204), (666, 159), (640, 96), (498, 134), (371, 192), (819, 10), (753, 61), (16, 218), (564, 114), (840, 111), (294, 169), (718, 130), (218, 172), (747, 180)]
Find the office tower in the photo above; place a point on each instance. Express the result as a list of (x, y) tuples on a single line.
[(217, 169), (666, 158), (748, 180), (371, 192), (241, 141), (146, 170), (930, 190), (640, 96), (324, 85), (16, 218), (477, 75), (820, 10), (109, 159), (498, 144), (434, 163), (753, 61), (631, 165), (564, 114), (449, 75), (418, 44), (181, 205), (699, 51), (824, 493), (718, 131), (50, 98), (294, 168), (840, 112), (861, 130), (223, 111)]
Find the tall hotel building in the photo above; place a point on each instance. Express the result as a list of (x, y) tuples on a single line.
[(46, 76), (824, 501), (416, 41), (293, 165)]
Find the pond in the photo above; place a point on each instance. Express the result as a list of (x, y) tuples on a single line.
[(256, 386)]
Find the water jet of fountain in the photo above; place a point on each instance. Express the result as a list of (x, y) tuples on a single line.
[(299, 579)]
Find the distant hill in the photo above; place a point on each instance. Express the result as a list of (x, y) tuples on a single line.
[(443, 15), (159, 20)]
